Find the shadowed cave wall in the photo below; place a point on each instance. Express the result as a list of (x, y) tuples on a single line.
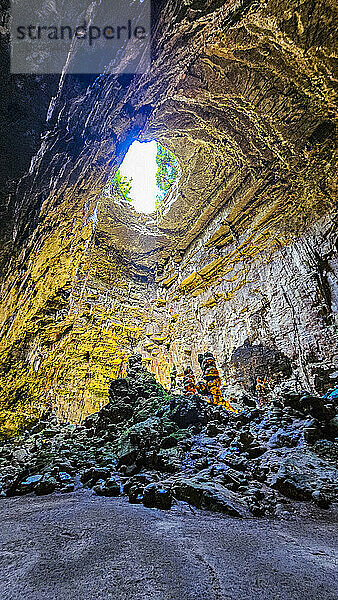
[(244, 253)]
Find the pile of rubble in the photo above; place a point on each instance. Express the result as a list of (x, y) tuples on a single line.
[(158, 448)]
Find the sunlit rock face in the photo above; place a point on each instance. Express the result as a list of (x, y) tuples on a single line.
[(243, 94)]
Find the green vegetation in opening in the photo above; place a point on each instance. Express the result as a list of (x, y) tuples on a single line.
[(121, 184), (154, 168), (167, 172)]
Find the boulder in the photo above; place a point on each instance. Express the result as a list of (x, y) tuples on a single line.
[(129, 470), (120, 411), (27, 485), (327, 449), (90, 476), (64, 477), (156, 496), (302, 473), (47, 485), (175, 438), (118, 388), (320, 408), (142, 480), (320, 499), (333, 427), (135, 494), (169, 441), (50, 432), (281, 438), (210, 495), (110, 487), (126, 452), (255, 451)]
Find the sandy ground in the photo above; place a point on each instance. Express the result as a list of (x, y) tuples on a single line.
[(84, 547)]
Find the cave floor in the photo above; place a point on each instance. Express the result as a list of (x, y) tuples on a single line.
[(88, 547)]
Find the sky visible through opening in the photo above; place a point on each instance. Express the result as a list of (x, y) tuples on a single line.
[(140, 165)]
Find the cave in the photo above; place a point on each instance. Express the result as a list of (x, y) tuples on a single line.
[(233, 266), (243, 247)]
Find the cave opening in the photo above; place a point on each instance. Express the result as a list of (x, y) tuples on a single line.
[(145, 176)]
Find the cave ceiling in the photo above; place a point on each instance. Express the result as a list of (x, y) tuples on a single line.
[(240, 107), (245, 99)]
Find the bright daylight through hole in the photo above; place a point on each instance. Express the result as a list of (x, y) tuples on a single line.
[(146, 174)]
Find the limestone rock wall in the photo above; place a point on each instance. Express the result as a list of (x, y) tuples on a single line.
[(285, 300), (71, 317)]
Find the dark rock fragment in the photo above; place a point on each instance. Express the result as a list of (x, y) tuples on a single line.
[(213, 429), (110, 487), (27, 485), (135, 494), (320, 499), (93, 474), (156, 496), (47, 485)]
